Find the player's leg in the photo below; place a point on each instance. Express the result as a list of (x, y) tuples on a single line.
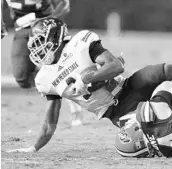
[(150, 76), (142, 83), (23, 68), (76, 113), (138, 88)]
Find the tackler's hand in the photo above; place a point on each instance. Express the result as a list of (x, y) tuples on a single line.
[(30, 149)]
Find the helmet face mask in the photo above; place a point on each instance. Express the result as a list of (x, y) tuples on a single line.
[(45, 39), (41, 53)]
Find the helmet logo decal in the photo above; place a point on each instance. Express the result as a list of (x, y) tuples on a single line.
[(123, 136), (49, 22)]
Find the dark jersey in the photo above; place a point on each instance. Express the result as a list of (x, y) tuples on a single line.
[(19, 8)]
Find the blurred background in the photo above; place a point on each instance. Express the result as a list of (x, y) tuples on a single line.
[(138, 15), (141, 29)]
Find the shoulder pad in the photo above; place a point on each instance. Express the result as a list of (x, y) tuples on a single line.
[(87, 36)]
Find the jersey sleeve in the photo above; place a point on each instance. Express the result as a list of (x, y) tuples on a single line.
[(93, 42), (88, 36)]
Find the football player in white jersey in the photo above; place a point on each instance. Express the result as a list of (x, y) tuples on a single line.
[(147, 132), (23, 13), (68, 69)]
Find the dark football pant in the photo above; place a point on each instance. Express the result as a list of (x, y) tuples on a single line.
[(138, 87), (23, 68)]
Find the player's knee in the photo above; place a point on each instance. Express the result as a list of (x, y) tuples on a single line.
[(168, 71), (26, 83), (24, 79)]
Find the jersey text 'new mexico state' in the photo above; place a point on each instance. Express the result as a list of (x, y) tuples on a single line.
[(57, 79)]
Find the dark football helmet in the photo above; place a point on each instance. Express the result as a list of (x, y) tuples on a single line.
[(45, 38)]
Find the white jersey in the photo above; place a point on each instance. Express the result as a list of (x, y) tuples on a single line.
[(75, 60)]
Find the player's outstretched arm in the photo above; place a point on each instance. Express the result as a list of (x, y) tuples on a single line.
[(50, 123), (111, 67), (48, 128)]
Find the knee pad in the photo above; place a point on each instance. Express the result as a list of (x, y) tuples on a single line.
[(26, 82)]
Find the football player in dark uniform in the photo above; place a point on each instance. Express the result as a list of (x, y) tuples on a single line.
[(147, 132), (24, 13)]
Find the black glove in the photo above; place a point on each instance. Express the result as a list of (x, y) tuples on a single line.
[(3, 32)]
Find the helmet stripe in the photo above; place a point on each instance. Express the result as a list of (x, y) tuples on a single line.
[(135, 154)]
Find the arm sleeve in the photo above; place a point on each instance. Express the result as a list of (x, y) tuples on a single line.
[(96, 49), (53, 97)]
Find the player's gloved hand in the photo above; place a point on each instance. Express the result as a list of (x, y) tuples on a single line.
[(79, 87), (31, 149), (3, 31)]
